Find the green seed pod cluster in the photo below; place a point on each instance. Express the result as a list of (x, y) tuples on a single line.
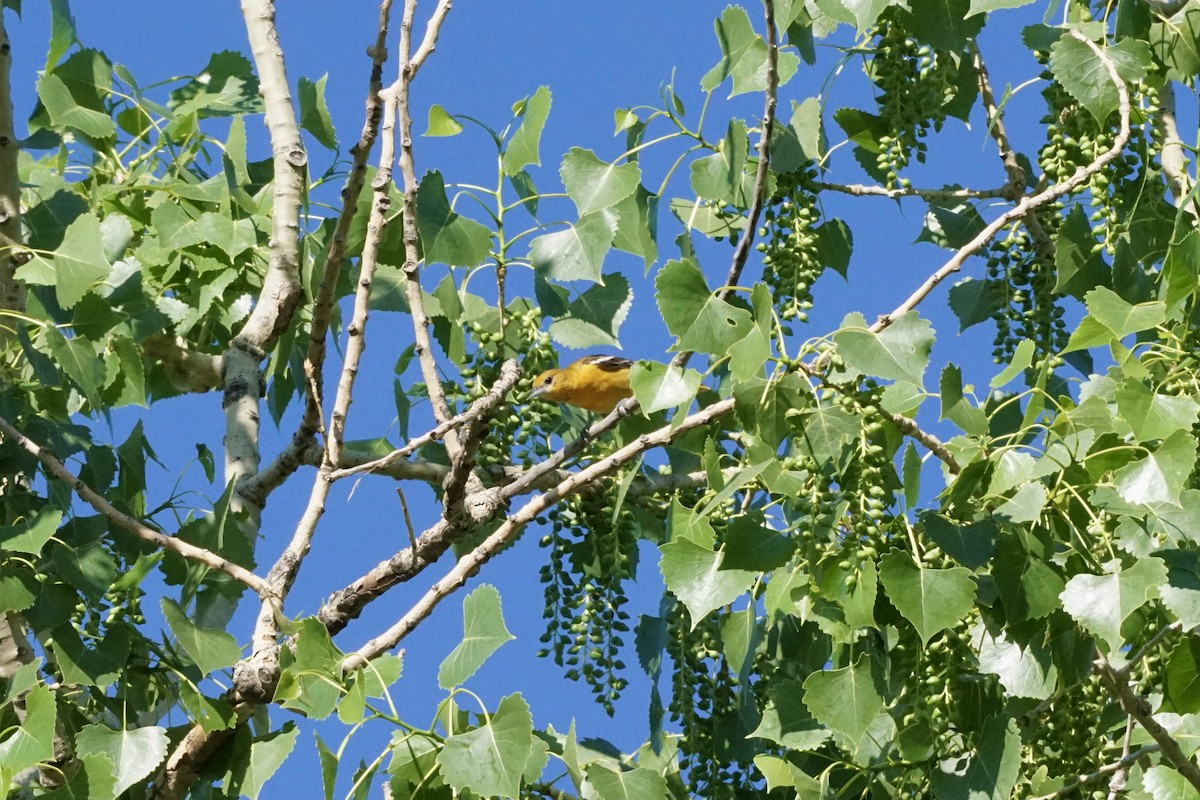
[(790, 244), (593, 552), (1021, 279), (514, 437), (1069, 735), (914, 82), (703, 693)]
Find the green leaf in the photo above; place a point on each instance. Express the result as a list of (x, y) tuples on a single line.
[(225, 87), (787, 721), (1028, 586), (576, 254), (314, 113), (595, 316), (707, 218), (441, 123), (943, 24), (846, 700), (752, 546), (133, 754), (522, 148), (1161, 476), (972, 302), (78, 266), (862, 128), (33, 741), (984, 6), (931, 599), (639, 783), (1121, 318), (1183, 677), (329, 766), (835, 243), (311, 681), (1026, 505), (1083, 74), (62, 31), (659, 386), (1023, 671), (1181, 268), (30, 535), (1021, 359), (448, 237), (951, 224), (1152, 416), (824, 431), (898, 352), (1176, 43), (692, 569), (483, 633), (721, 175), (1164, 782), (989, 772), (1101, 603), (211, 648), (65, 111), (1181, 593), (637, 225), (493, 759), (956, 407), (1078, 266), (700, 321), (595, 185), (96, 664), (970, 545), (744, 56), (267, 755)]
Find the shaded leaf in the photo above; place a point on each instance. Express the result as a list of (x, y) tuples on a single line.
[(483, 632)]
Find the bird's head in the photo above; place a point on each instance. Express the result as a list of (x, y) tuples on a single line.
[(543, 383)]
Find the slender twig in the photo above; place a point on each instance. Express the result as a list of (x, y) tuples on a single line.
[(933, 444), (741, 251), (322, 313), (1028, 203), (1116, 786), (412, 255), (134, 526), (408, 523), (1090, 777), (480, 407), (283, 572), (1017, 178), (861, 190), (995, 121), (356, 331), (432, 28), (469, 564), (1139, 709)]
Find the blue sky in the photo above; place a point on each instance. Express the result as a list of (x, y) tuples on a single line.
[(595, 57)]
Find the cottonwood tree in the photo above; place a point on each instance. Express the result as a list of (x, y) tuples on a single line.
[(881, 578)]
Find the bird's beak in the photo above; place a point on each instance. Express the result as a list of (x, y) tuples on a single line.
[(538, 391)]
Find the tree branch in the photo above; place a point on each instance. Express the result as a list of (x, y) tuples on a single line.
[(469, 564), (862, 190), (335, 253), (1139, 709), (128, 523), (1029, 202), (1173, 156), (281, 291), (1090, 777), (412, 255)]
